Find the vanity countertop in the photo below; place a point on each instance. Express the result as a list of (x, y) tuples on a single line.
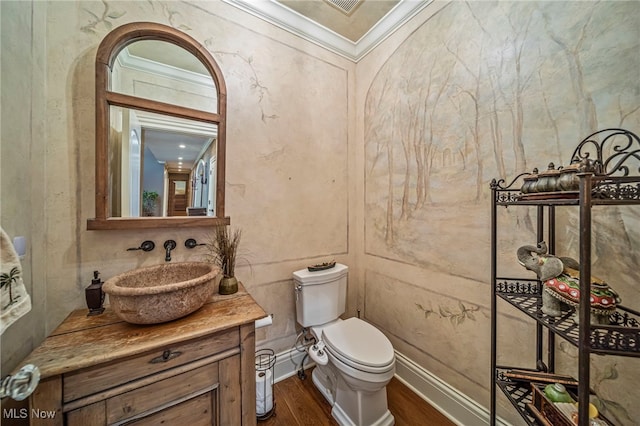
[(82, 341)]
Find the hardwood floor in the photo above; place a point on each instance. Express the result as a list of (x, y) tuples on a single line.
[(299, 403)]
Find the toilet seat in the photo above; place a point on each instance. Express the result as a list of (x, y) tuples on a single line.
[(359, 345)]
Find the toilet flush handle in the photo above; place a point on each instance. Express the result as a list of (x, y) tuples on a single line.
[(297, 289)]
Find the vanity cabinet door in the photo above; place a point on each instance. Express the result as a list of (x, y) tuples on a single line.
[(197, 411), (162, 395), (206, 395), (93, 414), (231, 394)]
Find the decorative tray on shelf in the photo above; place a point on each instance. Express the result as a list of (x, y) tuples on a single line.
[(549, 413), (322, 266), (540, 377)]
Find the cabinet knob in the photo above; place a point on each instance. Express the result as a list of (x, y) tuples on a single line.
[(166, 356)]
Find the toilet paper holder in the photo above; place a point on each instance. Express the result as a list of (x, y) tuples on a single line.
[(263, 322), (265, 401)]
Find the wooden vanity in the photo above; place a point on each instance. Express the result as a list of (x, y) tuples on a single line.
[(197, 370)]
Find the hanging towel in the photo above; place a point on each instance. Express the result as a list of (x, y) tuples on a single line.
[(14, 299)]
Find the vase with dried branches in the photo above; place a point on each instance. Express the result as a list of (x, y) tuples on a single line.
[(223, 251)]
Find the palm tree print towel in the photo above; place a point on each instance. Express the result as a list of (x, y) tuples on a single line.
[(14, 300)]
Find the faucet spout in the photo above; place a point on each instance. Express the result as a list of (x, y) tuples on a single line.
[(168, 246)]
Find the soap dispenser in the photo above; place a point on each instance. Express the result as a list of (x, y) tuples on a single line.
[(95, 295)]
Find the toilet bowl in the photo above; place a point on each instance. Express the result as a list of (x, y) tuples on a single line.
[(360, 363), (354, 360)]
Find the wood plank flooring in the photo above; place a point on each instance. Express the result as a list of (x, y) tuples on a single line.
[(299, 403)]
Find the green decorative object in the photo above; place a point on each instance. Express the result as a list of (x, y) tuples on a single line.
[(556, 392), (228, 285)]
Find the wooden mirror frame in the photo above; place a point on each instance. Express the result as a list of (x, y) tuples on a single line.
[(108, 50)]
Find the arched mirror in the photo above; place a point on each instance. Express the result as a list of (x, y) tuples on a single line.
[(160, 131)]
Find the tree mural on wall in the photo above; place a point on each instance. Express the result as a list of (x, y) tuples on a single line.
[(587, 116), (571, 48), (467, 104), (106, 17), (485, 98), (455, 316), (484, 91)]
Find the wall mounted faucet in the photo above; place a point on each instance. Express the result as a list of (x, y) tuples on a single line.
[(145, 246), (168, 246)]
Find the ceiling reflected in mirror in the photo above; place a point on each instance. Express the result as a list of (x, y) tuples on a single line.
[(176, 142), (164, 72)]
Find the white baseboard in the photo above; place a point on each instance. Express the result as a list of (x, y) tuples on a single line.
[(455, 405)]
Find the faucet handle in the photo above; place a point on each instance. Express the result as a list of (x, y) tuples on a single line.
[(145, 246), (191, 243)]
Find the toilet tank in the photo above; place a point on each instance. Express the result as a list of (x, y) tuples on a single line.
[(320, 295)]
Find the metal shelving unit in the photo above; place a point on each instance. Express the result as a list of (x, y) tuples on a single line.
[(609, 175)]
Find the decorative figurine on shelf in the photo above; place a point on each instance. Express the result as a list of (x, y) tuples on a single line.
[(561, 280)]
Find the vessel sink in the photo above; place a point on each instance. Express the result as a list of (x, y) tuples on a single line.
[(161, 293)]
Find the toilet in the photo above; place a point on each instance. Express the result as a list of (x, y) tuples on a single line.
[(354, 360)]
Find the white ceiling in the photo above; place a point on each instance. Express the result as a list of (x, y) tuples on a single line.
[(350, 35)]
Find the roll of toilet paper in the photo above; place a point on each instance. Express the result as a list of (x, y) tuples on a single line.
[(263, 322), (264, 392)]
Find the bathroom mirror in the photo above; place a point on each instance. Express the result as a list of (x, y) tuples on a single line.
[(160, 131)]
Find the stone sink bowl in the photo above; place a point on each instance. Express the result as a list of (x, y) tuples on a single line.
[(162, 293)]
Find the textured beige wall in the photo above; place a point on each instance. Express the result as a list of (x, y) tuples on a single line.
[(22, 160), (467, 92), (288, 147)]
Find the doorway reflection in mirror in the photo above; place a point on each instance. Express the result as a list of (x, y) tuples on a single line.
[(162, 154)]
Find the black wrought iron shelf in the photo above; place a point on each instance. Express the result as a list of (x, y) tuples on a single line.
[(553, 202), (518, 393), (621, 337), (606, 191), (603, 172)]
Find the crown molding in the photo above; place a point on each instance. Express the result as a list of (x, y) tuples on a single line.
[(295, 23), (394, 19)]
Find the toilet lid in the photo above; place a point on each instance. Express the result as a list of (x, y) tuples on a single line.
[(359, 342)]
